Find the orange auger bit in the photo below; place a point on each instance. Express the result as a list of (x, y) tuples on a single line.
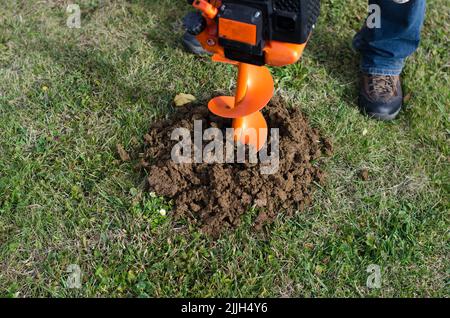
[(251, 34)]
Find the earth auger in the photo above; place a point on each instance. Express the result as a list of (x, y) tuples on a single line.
[(250, 34)]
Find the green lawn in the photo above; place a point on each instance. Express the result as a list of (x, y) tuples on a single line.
[(68, 96)]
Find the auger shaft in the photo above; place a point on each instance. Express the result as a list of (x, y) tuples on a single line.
[(242, 80)]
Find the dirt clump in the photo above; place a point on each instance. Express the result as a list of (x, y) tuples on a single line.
[(364, 174), (215, 195)]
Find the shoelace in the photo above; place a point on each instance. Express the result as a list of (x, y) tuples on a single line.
[(381, 85)]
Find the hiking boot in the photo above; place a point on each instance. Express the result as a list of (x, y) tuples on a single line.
[(192, 45), (380, 96)]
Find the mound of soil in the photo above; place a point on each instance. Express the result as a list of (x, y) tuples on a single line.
[(215, 196)]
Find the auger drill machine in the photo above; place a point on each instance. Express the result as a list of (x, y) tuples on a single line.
[(251, 34)]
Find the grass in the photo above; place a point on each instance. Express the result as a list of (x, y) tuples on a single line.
[(68, 96)]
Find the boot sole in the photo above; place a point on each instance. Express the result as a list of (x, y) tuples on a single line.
[(383, 117)]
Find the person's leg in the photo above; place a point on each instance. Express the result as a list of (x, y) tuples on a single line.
[(385, 49), (383, 54)]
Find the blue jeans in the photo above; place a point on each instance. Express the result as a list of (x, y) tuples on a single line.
[(385, 49)]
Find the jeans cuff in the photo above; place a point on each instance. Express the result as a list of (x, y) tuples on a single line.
[(380, 71)]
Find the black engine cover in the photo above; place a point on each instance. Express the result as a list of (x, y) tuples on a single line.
[(285, 20), (288, 21)]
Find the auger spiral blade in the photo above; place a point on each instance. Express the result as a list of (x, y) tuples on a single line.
[(254, 90)]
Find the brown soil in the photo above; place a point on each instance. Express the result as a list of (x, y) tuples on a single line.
[(215, 196)]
